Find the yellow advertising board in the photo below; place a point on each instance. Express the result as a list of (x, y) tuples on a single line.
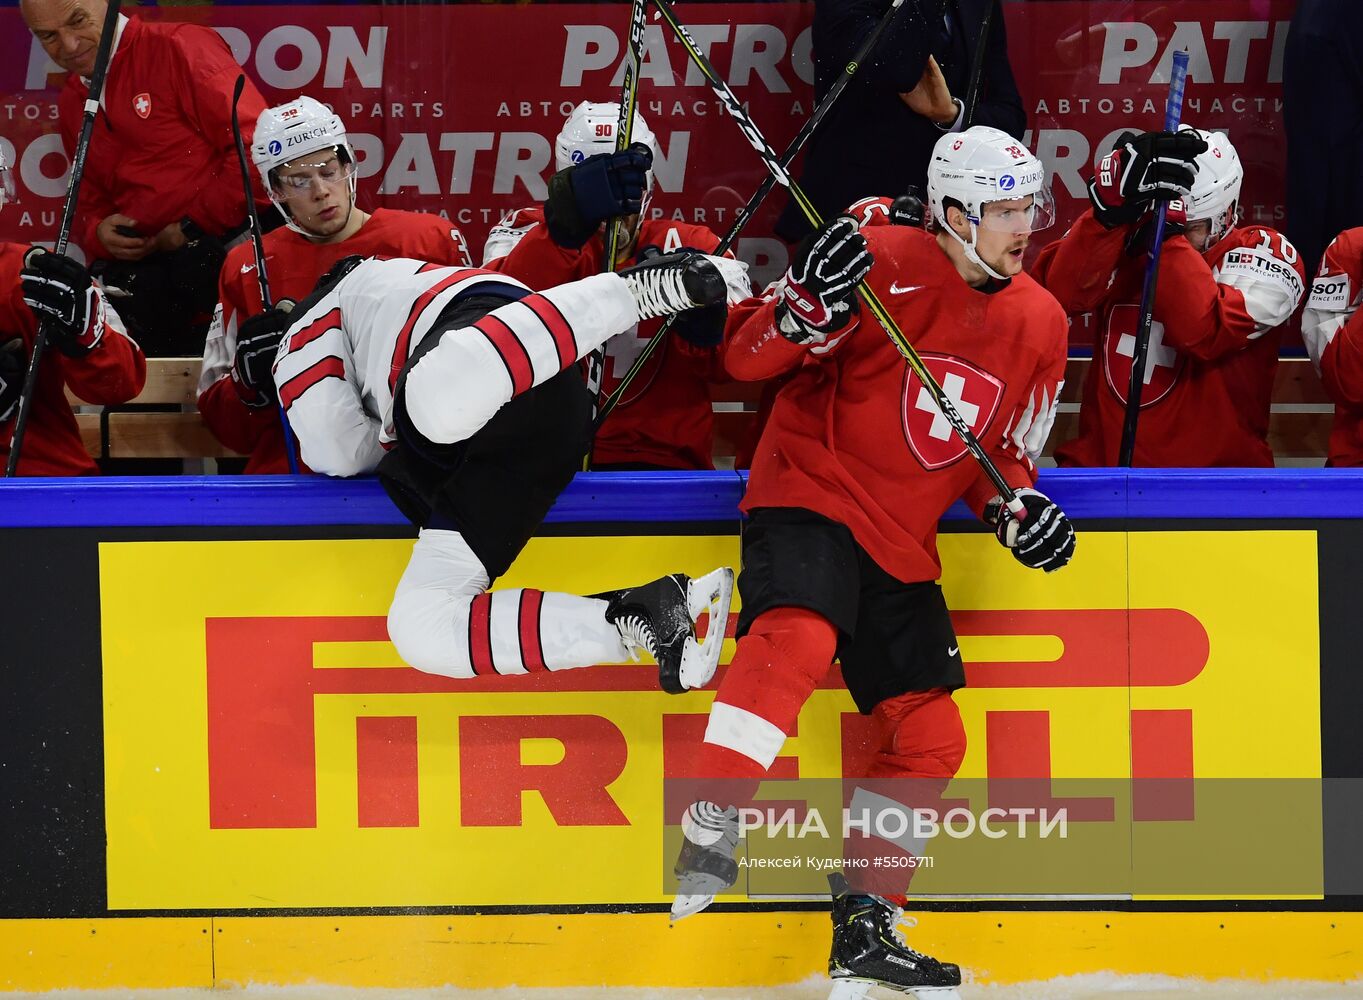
[(266, 749)]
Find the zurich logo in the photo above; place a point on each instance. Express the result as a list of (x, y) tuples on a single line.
[(578, 156), (1006, 182), (275, 147)]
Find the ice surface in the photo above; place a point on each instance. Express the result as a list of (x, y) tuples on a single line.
[(1088, 987)]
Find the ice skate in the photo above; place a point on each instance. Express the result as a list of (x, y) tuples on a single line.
[(869, 951), (675, 282), (660, 619), (706, 866)]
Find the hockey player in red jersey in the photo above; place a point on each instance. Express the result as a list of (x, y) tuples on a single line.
[(665, 418), (462, 388), (854, 469), (87, 351), (308, 168), (1224, 292), (1333, 332)]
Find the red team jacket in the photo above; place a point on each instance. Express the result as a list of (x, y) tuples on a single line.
[(854, 436), (1213, 343), (666, 418), (162, 146), (1333, 332), (113, 372), (294, 264)]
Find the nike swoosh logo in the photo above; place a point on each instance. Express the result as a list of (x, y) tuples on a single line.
[(953, 650), (896, 290), (247, 268)]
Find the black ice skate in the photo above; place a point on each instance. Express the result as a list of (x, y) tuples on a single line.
[(673, 283), (660, 618), (868, 951), (706, 866)]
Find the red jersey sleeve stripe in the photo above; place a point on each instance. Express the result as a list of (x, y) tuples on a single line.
[(558, 327), (480, 635), (319, 326), (510, 349), (289, 392), (532, 650)]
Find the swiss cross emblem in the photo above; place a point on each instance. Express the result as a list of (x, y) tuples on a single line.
[(1163, 364), (142, 105), (976, 395), (622, 351)]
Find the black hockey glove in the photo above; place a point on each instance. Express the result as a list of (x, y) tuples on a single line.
[(703, 327), (258, 341), (59, 291), (1045, 540), (13, 365), (1152, 166), (601, 187), (1175, 224), (819, 295)]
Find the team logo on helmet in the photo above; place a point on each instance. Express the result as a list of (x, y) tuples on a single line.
[(1163, 364), (142, 104), (976, 394)]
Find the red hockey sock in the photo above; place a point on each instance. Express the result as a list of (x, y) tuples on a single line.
[(776, 667)]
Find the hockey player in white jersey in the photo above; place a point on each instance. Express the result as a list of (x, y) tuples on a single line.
[(460, 386)]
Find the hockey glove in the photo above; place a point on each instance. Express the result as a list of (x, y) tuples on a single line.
[(601, 187), (60, 293), (703, 327), (818, 296), (1152, 166), (13, 365), (1175, 224), (258, 342), (1045, 540)]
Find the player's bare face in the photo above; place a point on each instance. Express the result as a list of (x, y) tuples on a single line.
[(68, 31), (316, 191), (1003, 234)]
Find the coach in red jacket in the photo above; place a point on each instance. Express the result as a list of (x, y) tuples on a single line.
[(162, 191)]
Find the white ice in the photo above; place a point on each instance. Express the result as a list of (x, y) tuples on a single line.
[(1088, 987)]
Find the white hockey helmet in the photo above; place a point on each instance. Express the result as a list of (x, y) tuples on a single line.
[(1215, 194), (590, 129), (980, 165), (288, 131), (9, 191)]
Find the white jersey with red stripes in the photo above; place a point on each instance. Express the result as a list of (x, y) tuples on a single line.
[(339, 364)]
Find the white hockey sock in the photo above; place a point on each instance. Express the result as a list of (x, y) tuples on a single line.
[(443, 621), (460, 384)]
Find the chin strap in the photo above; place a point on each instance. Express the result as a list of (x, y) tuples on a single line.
[(971, 254)]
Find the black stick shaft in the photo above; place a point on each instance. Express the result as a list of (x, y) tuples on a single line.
[(252, 217), (972, 94), (746, 213), (106, 41), (901, 342)]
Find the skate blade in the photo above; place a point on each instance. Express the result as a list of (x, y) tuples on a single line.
[(687, 906), (860, 989), (700, 658)]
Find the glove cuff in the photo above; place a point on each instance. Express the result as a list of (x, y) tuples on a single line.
[(1111, 217), (564, 220)]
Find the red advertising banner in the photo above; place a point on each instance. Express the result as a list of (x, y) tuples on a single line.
[(453, 109)]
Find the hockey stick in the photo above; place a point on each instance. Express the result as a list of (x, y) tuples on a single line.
[(106, 41), (624, 134), (746, 213), (972, 94), (258, 244), (759, 143), (1172, 115)]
